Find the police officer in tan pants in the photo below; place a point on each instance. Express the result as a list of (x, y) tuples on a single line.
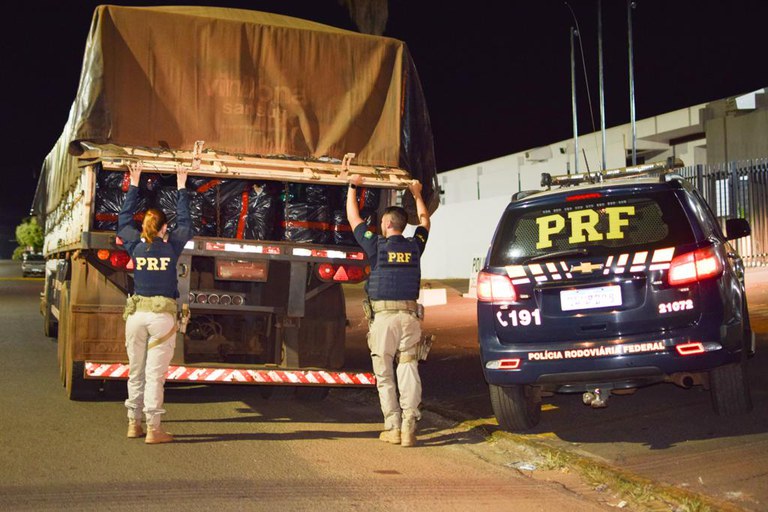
[(395, 330), (150, 327)]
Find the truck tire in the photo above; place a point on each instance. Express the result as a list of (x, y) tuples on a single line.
[(77, 387), (63, 330), (515, 407), (729, 389), (50, 324)]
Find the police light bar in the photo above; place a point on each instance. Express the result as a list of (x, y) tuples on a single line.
[(563, 180)]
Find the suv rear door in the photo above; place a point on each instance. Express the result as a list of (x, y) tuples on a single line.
[(590, 264)]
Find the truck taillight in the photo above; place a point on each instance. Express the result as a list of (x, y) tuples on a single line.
[(694, 266), (495, 288), (325, 271), (341, 273), (119, 259)]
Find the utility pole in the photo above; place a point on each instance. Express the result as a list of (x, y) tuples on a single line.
[(630, 6), (574, 34), (600, 71)]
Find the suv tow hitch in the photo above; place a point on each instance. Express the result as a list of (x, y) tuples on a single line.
[(596, 398)]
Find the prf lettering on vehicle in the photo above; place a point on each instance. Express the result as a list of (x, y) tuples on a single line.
[(583, 225), (152, 263), (399, 257)]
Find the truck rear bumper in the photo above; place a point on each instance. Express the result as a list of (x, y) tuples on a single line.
[(221, 375)]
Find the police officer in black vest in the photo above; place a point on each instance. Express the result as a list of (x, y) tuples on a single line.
[(395, 328)]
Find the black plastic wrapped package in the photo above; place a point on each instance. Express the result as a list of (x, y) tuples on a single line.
[(342, 231), (306, 223), (109, 202)]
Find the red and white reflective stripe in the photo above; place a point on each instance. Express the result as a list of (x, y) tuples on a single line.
[(238, 375)]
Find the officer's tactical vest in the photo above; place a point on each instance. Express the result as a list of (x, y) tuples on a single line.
[(155, 270), (396, 274)]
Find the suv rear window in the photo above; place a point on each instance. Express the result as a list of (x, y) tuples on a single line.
[(601, 226)]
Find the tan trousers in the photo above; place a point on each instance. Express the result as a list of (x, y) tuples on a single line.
[(149, 340), (392, 332)]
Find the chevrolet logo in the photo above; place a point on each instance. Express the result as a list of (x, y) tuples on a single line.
[(586, 267)]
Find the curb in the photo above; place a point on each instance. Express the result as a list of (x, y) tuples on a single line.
[(679, 499)]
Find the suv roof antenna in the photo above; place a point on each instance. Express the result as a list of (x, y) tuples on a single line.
[(597, 176)]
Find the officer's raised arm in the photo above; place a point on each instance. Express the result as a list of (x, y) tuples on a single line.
[(421, 207), (353, 211)]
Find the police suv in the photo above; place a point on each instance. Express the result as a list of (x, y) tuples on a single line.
[(618, 282)]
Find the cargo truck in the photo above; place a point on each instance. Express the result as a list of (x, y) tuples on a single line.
[(271, 114)]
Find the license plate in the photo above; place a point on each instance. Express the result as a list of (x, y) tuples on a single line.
[(590, 298)]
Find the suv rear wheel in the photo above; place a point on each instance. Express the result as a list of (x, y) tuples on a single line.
[(516, 407), (729, 389)]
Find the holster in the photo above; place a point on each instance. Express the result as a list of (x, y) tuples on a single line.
[(184, 315), (425, 345), (368, 310)]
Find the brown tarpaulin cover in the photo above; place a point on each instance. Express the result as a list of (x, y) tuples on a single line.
[(245, 82)]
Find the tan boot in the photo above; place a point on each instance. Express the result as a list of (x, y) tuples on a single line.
[(408, 435), (390, 436), (134, 429), (156, 435)]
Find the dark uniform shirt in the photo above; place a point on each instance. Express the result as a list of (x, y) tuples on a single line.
[(395, 269), (155, 264)]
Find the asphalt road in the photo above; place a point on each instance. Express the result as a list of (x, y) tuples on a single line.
[(664, 433), (236, 450)]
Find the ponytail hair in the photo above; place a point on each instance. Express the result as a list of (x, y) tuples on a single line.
[(153, 222)]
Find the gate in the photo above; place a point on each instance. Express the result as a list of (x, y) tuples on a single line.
[(733, 190)]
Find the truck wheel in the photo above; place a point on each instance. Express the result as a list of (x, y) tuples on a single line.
[(729, 389), (78, 387), (63, 331), (50, 324), (515, 407)]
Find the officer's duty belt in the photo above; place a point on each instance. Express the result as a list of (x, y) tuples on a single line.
[(394, 305)]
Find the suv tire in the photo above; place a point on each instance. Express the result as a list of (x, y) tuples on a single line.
[(515, 407), (729, 389)]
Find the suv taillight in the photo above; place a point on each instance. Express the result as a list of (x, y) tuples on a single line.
[(495, 288), (694, 266)]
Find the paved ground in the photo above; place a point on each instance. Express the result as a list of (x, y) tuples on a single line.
[(663, 433), (235, 450)]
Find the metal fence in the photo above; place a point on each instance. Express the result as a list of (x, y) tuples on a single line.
[(733, 190)]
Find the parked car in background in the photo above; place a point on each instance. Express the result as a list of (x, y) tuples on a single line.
[(32, 264)]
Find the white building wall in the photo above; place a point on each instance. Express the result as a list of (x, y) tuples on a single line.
[(460, 232), (475, 196)]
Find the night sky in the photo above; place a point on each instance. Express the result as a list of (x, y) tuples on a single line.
[(496, 74)]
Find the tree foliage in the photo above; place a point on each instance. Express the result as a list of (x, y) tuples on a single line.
[(29, 236)]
